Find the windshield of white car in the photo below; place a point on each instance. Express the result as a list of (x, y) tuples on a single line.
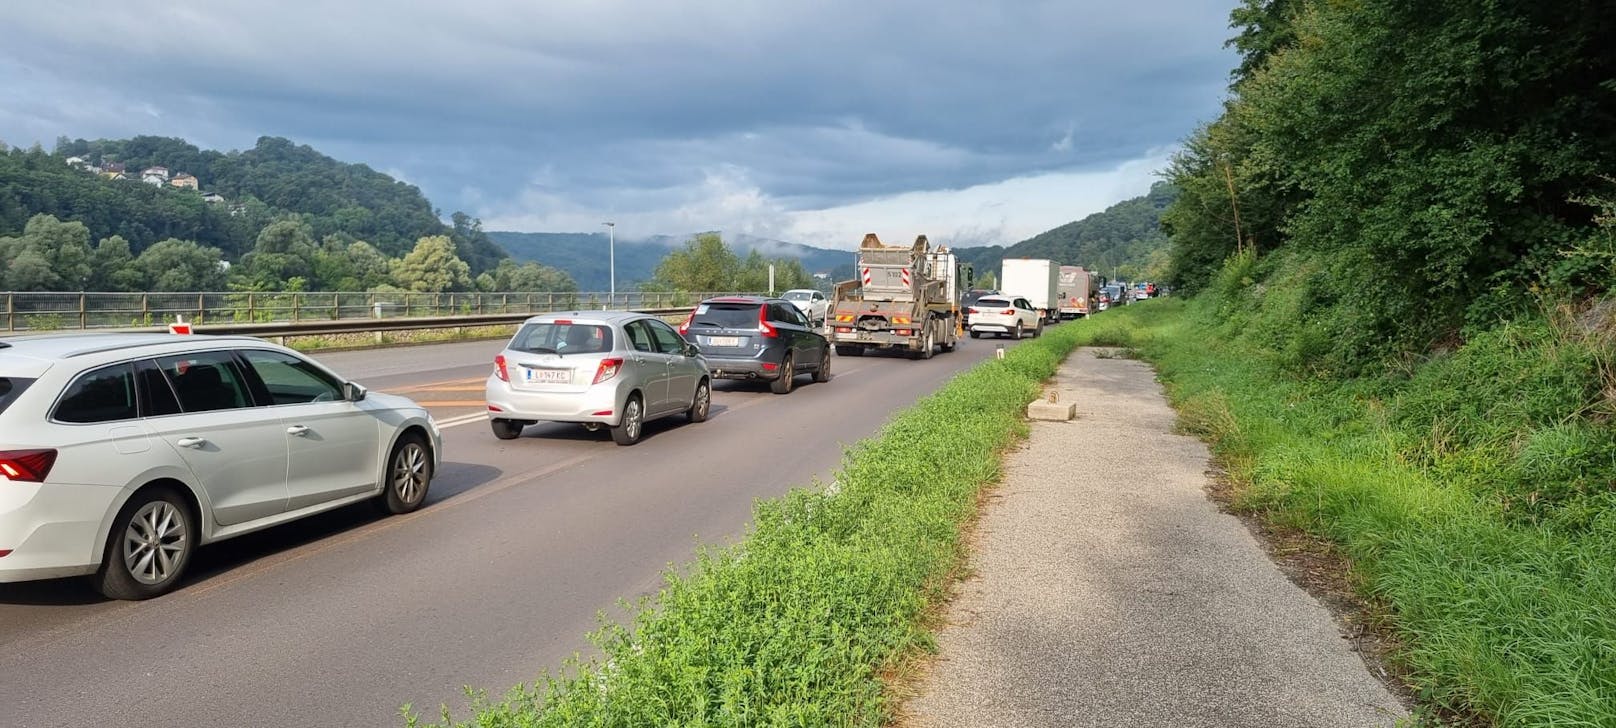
[(562, 337)]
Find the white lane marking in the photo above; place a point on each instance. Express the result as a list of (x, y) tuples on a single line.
[(462, 420)]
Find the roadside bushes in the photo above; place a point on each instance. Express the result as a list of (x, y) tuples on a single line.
[(796, 625), (1475, 494)]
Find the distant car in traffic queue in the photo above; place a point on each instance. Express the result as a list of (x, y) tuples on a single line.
[(758, 338), (813, 304), (969, 299), (120, 454), (1011, 316), (615, 370)]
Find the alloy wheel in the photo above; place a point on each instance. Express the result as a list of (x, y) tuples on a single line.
[(155, 542)]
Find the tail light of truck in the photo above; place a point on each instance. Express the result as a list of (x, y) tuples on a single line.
[(903, 332), (684, 328), (844, 329), (764, 326), (26, 466), (500, 370), (608, 368)]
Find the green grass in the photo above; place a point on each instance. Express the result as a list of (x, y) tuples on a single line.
[(827, 593), (1473, 495)]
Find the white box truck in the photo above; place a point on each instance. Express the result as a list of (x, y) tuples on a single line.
[(1035, 279)]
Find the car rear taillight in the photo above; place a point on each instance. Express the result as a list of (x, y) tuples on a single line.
[(608, 368), (763, 323), (971, 310), (500, 370), (26, 466), (684, 328), (1009, 312)]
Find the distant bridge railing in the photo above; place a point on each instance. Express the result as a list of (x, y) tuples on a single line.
[(271, 312)]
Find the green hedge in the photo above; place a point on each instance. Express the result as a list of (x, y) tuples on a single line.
[(796, 625)]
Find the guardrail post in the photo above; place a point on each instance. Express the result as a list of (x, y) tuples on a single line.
[(549, 303), (336, 306), (201, 305), (84, 313), (11, 314), (251, 313), (295, 298)]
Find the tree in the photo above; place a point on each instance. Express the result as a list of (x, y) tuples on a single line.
[(182, 265), (50, 255), (705, 264), (432, 267), (284, 250), (529, 276), (115, 268)]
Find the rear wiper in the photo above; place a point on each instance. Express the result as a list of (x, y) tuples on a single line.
[(709, 323), (543, 350)]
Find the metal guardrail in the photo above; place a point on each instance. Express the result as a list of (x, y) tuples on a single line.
[(281, 314)]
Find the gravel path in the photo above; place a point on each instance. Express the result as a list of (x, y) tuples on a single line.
[(1109, 591)]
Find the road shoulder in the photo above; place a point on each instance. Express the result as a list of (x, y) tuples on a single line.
[(1108, 589)]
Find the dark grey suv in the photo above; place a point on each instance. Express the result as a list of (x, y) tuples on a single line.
[(751, 337)]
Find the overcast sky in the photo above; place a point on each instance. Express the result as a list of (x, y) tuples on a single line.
[(812, 122)]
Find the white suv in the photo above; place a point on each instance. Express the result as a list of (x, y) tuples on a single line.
[(124, 452), (810, 302), (1003, 315)]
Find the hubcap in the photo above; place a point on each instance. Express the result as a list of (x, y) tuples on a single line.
[(409, 473), (155, 542), (703, 399), (631, 419)]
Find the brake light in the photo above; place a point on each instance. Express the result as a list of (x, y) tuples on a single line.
[(1009, 312), (26, 466), (500, 370), (684, 328), (902, 332), (763, 323), (608, 368), (770, 366), (971, 309), (844, 330)]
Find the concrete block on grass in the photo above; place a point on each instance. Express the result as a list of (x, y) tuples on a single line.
[(1043, 409)]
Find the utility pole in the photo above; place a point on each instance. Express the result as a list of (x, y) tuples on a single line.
[(611, 242)]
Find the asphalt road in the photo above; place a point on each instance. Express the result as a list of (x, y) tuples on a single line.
[(341, 619)]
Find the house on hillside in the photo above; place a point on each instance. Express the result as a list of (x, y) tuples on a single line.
[(155, 180), (184, 180), (77, 162), (161, 172), (212, 197), (113, 167)]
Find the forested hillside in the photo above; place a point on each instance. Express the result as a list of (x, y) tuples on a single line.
[(1124, 240), (281, 215), (1413, 171), (584, 255)]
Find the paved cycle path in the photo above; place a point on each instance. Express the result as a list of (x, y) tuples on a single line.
[(1108, 590)]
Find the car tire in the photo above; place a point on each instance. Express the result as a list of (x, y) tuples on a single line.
[(409, 474), (976, 334), (788, 374), (702, 403), (506, 429), (822, 374), (632, 425), (1038, 331), (849, 350), (154, 524), (1016, 334)]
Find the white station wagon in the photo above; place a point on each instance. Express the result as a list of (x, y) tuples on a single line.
[(120, 454)]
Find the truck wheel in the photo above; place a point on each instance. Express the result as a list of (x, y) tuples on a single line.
[(949, 346), (926, 346)]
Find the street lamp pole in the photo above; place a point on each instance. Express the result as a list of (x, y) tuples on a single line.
[(611, 240)]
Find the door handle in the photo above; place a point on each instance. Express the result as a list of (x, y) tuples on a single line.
[(195, 443), (297, 431)]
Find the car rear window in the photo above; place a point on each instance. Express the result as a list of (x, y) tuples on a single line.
[(986, 301), (10, 389), (726, 315), (563, 337), (798, 296)]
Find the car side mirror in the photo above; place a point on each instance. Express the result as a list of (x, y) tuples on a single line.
[(352, 392), (692, 349)]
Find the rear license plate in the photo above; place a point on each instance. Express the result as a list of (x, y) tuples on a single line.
[(547, 376), (724, 340)]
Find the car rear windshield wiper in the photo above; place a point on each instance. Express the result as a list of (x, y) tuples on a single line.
[(541, 350), (709, 323)]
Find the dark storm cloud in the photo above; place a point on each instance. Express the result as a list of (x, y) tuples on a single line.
[(601, 104)]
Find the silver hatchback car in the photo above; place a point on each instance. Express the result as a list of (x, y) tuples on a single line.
[(612, 369)]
